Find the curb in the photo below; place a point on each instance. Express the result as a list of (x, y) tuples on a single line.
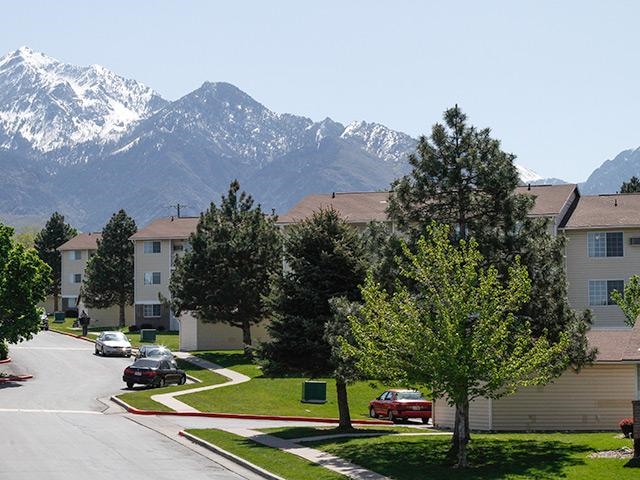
[(73, 335), (230, 456), (240, 416), (15, 378), (6, 360)]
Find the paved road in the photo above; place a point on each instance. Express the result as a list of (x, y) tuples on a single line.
[(60, 424)]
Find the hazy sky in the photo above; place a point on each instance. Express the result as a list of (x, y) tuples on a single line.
[(557, 81)]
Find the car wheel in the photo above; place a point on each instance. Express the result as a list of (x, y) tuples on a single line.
[(425, 420), (129, 385), (183, 380), (97, 352), (392, 417), (161, 383), (372, 413)]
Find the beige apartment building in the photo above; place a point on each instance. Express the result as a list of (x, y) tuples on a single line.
[(75, 254)]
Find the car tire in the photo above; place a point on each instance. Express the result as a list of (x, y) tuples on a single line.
[(129, 385), (161, 383), (183, 380), (392, 417), (372, 413), (425, 420), (96, 352)]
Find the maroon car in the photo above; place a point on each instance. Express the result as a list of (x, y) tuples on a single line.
[(398, 405)]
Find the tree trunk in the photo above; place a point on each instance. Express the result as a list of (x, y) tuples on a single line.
[(56, 303), (343, 406), (121, 320), (461, 434), (246, 336)]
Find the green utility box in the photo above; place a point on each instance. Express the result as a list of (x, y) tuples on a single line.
[(314, 392), (58, 317), (148, 335)]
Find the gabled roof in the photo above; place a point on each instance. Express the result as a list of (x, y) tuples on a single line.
[(355, 207), (550, 199), (364, 207), (82, 241), (167, 228), (621, 345), (606, 211)]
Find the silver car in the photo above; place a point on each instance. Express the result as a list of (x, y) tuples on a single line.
[(113, 343)]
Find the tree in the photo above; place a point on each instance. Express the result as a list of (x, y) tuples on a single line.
[(461, 178), (325, 259), (26, 235), (24, 280), (457, 333), (109, 274), (235, 250), (629, 300), (632, 186), (46, 242)]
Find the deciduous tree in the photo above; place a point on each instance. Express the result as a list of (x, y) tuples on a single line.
[(109, 274), (46, 242), (629, 300), (456, 331), (224, 277), (24, 280)]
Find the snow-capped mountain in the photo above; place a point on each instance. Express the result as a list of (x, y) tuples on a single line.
[(52, 106), (86, 142)]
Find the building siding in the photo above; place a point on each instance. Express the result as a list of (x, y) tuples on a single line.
[(479, 414), (195, 335), (581, 268)]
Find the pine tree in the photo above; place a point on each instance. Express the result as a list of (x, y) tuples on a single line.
[(46, 242), (632, 186), (109, 274), (223, 278)]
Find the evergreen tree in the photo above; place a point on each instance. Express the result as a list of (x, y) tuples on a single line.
[(632, 186), (109, 274), (223, 278), (24, 280), (325, 259), (462, 178), (46, 242)]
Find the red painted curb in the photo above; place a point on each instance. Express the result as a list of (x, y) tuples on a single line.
[(72, 335), (6, 360), (15, 378)]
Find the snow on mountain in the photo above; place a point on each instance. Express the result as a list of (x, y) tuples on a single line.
[(52, 105), (380, 141), (526, 175)]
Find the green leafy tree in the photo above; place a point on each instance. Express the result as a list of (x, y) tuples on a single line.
[(46, 242), (632, 186), (325, 259), (24, 280), (109, 274), (457, 332), (223, 278), (26, 235), (629, 300), (462, 178)]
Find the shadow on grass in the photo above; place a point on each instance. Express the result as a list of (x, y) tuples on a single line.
[(225, 359), (489, 459)]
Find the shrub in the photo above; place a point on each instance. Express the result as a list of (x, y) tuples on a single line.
[(145, 326), (626, 425), (133, 328), (160, 328), (71, 313), (4, 349)]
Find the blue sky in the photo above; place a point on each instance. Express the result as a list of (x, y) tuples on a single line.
[(556, 81)]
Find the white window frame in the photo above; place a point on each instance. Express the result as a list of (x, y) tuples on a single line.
[(76, 278), (597, 244), (150, 247), (152, 278), (153, 310), (75, 255), (603, 297)]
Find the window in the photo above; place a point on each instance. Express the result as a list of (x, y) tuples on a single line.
[(605, 244), (600, 291), (151, 310), (152, 247), (76, 278), (152, 278), (75, 254)]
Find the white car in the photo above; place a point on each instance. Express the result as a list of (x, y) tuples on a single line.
[(113, 343)]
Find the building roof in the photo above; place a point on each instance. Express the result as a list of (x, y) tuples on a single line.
[(606, 211), (364, 207), (621, 345), (550, 199), (355, 207), (167, 228), (82, 241)]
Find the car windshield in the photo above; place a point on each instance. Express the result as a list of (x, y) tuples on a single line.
[(146, 363), (114, 336), (410, 396)]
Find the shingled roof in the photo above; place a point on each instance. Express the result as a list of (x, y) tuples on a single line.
[(82, 241), (606, 211), (167, 228), (621, 345)]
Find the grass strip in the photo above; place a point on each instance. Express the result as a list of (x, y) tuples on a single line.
[(283, 464), (141, 397)]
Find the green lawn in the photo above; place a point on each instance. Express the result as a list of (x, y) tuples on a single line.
[(493, 456), (285, 465), (169, 339), (275, 396), (141, 397)]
